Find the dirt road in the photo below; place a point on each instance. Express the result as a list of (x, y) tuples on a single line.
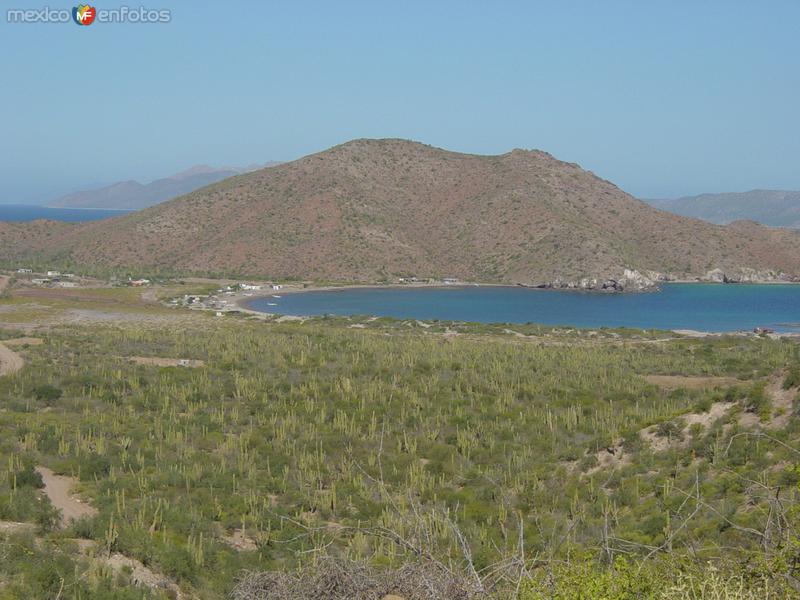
[(57, 488)]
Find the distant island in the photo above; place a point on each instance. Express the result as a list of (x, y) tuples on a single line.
[(373, 210), (132, 195), (776, 208)]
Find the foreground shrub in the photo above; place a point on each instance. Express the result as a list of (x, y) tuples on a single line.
[(659, 580), (792, 378)]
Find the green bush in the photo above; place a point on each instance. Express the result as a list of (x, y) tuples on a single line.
[(792, 378), (47, 393), (758, 401), (26, 476), (656, 580), (588, 581), (672, 430)]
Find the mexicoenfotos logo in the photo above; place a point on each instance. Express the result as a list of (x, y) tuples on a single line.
[(83, 14)]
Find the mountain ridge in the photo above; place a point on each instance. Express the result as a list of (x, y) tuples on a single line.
[(133, 195), (776, 208), (372, 210)]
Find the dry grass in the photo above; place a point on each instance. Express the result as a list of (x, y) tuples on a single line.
[(158, 361), (344, 580), (674, 382), (24, 341)]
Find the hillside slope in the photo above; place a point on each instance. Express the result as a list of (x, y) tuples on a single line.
[(776, 208), (373, 209)]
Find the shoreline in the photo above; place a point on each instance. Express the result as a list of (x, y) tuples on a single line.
[(18, 204), (243, 302), (240, 300), (86, 208)]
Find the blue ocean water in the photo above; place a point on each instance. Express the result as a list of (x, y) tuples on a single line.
[(27, 212), (704, 307)]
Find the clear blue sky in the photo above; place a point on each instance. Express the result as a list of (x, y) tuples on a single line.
[(662, 98)]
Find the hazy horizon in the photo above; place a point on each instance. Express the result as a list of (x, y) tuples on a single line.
[(102, 184), (664, 101)]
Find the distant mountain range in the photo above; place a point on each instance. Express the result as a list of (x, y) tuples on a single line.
[(133, 195), (769, 207), (372, 210)]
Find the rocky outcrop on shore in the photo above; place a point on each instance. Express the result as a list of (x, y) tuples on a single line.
[(745, 275), (629, 280), (632, 280)]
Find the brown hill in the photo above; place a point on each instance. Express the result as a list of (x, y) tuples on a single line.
[(371, 209)]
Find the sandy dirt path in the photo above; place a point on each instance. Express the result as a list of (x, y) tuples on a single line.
[(15, 527), (3, 283), (782, 400), (10, 361), (142, 575), (57, 488), (24, 341)]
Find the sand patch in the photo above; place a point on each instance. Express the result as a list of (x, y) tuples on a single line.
[(158, 361), (11, 527), (692, 333), (782, 401), (613, 457), (289, 318), (606, 459), (10, 361), (139, 574), (515, 333), (57, 488), (717, 411), (239, 541), (749, 419), (662, 443)]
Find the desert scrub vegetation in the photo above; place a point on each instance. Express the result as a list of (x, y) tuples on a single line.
[(792, 377), (32, 567), (384, 446)]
